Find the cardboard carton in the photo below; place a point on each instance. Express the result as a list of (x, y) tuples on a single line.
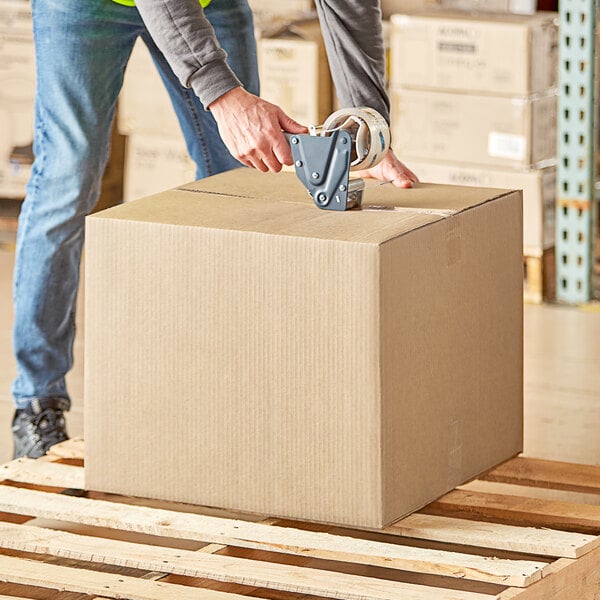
[(294, 73), (270, 15), (519, 7), (482, 130), (392, 7), (489, 54), (17, 90), (539, 194), (155, 163), (247, 350), (144, 103)]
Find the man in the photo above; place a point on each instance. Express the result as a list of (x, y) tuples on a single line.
[(207, 60)]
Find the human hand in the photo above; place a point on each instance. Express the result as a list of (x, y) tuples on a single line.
[(252, 130), (390, 169)]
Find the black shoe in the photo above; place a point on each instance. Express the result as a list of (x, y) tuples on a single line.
[(39, 426)]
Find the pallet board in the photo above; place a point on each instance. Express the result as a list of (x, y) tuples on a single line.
[(468, 545)]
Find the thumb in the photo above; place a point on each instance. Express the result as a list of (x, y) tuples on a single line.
[(288, 124)]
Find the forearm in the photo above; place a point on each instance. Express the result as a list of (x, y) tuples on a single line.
[(187, 39), (353, 37)]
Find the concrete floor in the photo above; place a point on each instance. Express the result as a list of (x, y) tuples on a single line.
[(562, 377)]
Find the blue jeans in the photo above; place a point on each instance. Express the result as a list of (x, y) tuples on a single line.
[(82, 48)]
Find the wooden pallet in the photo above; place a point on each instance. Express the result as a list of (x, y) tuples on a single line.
[(539, 277), (528, 530)]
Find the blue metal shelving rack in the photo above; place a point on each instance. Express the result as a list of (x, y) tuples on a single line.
[(576, 208)]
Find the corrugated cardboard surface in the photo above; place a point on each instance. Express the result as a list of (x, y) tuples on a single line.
[(245, 349), (539, 194), (465, 128), (451, 331), (491, 54)]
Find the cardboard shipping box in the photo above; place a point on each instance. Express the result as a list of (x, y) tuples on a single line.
[(539, 194), (490, 54), (247, 350), (483, 130), (269, 15), (154, 163), (519, 7), (17, 90), (392, 7), (144, 103), (294, 72)]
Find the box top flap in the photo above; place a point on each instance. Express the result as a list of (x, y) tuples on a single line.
[(278, 204)]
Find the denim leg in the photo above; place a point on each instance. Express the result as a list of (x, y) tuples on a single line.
[(233, 25), (81, 52)]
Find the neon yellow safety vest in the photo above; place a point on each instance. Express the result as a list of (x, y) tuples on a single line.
[(204, 3)]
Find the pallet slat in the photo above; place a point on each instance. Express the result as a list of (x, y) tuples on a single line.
[(288, 578), (268, 537), (56, 577), (531, 540), (521, 510), (548, 474), (72, 448), (38, 472)]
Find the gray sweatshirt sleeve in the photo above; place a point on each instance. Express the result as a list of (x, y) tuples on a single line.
[(351, 28), (187, 39), (353, 36)]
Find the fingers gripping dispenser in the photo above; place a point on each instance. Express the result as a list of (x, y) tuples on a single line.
[(350, 139)]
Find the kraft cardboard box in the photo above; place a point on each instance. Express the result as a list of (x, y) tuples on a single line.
[(495, 131), (17, 90), (490, 54), (392, 7), (144, 104), (247, 350), (539, 194), (519, 7), (154, 163), (294, 72), (270, 15)]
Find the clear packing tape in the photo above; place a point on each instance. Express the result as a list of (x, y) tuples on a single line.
[(369, 131)]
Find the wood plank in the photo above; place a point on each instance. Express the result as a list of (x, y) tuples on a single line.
[(73, 448), (519, 510), (511, 489), (39, 472), (228, 569), (531, 540), (548, 474), (267, 537), (568, 579), (30, 572)]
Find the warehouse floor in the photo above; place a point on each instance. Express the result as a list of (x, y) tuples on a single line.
[(562, 377)]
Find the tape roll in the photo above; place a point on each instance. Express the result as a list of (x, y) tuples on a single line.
[(369, 131)]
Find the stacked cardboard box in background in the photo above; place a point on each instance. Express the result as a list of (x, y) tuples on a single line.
[(17, 89), (393, 7), (518, 7), (294, 72), (270, 15), (17, 92), (474, 102)]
